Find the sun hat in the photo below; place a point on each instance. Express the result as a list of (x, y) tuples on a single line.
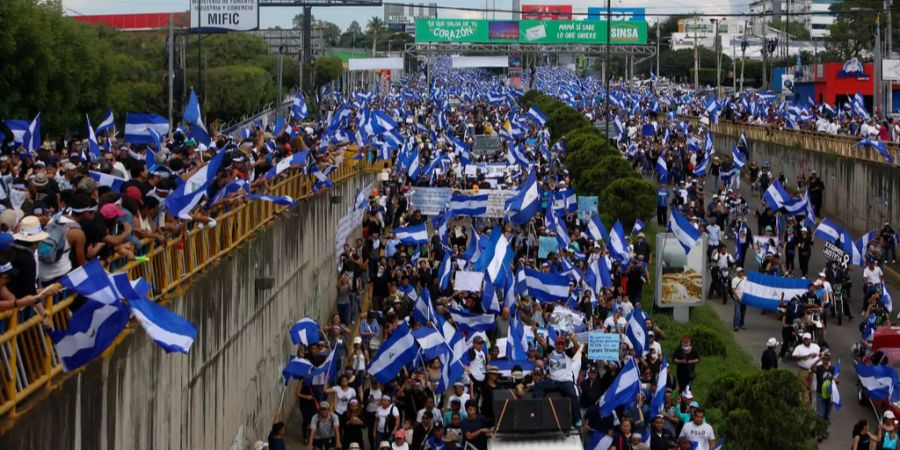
[(30, 230)]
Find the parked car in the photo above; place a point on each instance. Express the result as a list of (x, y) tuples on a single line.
[(885, 350)]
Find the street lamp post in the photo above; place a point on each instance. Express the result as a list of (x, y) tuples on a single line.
[(718, 50)]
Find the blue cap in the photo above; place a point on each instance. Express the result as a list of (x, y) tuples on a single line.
[(6, 240)]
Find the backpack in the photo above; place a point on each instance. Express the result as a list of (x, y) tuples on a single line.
[(825, 393), (51, 249)]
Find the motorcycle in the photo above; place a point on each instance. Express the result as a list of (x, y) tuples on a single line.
[(838, 306), (724, 282)]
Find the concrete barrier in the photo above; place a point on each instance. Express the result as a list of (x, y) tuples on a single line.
[(860, 193), (223, 394)]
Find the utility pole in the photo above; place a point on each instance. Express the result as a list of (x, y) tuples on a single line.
[(765, 56), (199, 49), (696, 58), (657, 48), (606, 66), (890, 54), (744, 44), (279, 82), (718, 51), (876, 92), (306, 48), (170, 74)]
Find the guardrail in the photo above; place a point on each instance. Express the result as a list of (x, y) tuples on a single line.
[(844, 146), (29, 366)]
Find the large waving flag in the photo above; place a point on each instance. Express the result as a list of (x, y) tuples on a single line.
[(684, 231), (624, 388), (662, 169), (637, 332), (521, 207), (829, 231), (192, 109), (107, 123), (412, 235), (397, 351), (468, 205), (536, 116), (658, 401), (776, 196), (305, 331), (32, 136), (299, 110), (880, 147), (599, 441), (546, 287), (431, 341), (516, 342), (766, 291), (596, 230), (105, 179), (297, 368), (616, 245), (183, 200), (138, 126), (472, 322), (880, 381), (93, 145), (498, 253), (92, 329), (91, 281), (169, 330)]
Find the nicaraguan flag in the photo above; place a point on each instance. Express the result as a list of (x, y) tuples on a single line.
[(624, 388), (597, 277), (468, 205), (412, 235), (536, 116), (93, 145), (879, 146), (546, 287), (92, 329), (829, 231), (295, 160), (599, 441), (322, 180), (684, 231), (187, 195), (700, 170), (396, 352), (496, 255), (297, 368), (444, 272), (452, 364), (638, 226), (658, 401), (105, 179), (283, 200), (616, 245), (169, 330), (298, 107), (776, 196), (192, 109), (138, 126), (516, 342), (31, 139), (886, 299), (107, 123), (738, 157), (92, 281), (305, 332), (472, 322), (662, 169), (637, 332), (835, 392), (880, 381), (18, 128), (596, 230), (765, 291), (431, 342), (521, 207)]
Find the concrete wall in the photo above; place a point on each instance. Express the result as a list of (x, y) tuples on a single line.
[(860, 194), (223, 394)]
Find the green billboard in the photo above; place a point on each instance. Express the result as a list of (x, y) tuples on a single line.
[(529, 31)]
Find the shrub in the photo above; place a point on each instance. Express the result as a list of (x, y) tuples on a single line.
[(564, 119), (579, 160), (629, 199), (707, 341), (608, 169)]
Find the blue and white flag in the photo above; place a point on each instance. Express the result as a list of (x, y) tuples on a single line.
[(596, 230), (138, 126), (105, 179), (452, 364), (305, 332), (536, 116), (766, 291), (599, 441), (468, 205), (472, 322), (684, 230), (93, 145), (18, 128), (31, 139), (879, 381), (835, 392), (662, 169), (396, 352), (879, 146), (616, 245), (324, 373), (169, 330), (422, 311), (295, 160), (638, 226), (886, 299), (321, 177), (516, 341), (546, 287), (283, 200), (298, 107), (597, 277), (521, 207), (637, 332), (497, 254), (700, 170), (107, 123), (297, 368), (412, 235), (776, 196), (431, 342), (91, 330), (443, 275), (192, 109), (658, 401), (624, 388), (187, 195), (829, 231), (738, 157), (92, 281)]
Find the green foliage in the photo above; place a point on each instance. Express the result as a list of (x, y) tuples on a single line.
[(608, 169), (562, 120), (628, 199), (707, 341), (579, 160), (747, 402), (237, 88), (853, 34), (227, 49), (797, 30), (327, 68)]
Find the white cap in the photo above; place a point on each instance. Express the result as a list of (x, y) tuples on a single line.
[(357, 340), (888, 414), (807, 336), (772, 342), (822, 274)]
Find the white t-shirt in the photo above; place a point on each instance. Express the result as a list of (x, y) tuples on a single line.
[(405, 446), (873, 275), (656, 348), (699, 434), (802, 350), (611, 323), (342, 399), (560, 367), (382, 413), (436, 413), (462, 400), (737, 285)]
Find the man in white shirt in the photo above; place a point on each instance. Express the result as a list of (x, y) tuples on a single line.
[(827, 292), (699, 432), (806, 355), (872, 276), (738, 283)]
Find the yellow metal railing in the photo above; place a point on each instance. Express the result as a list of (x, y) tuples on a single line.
[(843, 146), (29, 367)]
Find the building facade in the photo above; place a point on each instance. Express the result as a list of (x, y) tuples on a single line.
[(813, 14), (399, 17)]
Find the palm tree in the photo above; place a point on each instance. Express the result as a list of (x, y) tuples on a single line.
[(375, 25)]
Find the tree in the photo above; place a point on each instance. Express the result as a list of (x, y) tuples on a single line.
[(298, 20), (375, 25), (629, 199), (580, 160), (853, 32), (237, 90), (796, 30), (746, 402), (331, 33), (609, 168), (327, 68)]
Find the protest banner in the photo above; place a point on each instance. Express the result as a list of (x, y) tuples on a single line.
[(468, 281), (587, 205), (603, 346), (548, 244)]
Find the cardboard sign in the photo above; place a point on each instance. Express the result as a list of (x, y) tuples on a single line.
[(604, 346), (468, 281), (587, 205), (548, 244), (834, 253)]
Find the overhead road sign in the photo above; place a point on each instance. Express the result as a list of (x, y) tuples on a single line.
[(224, 15), (630, 14), (529, 31)]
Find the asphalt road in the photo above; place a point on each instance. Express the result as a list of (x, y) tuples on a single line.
[(759, 328)]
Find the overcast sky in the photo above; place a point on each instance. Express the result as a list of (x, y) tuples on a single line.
[(342, 16)]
